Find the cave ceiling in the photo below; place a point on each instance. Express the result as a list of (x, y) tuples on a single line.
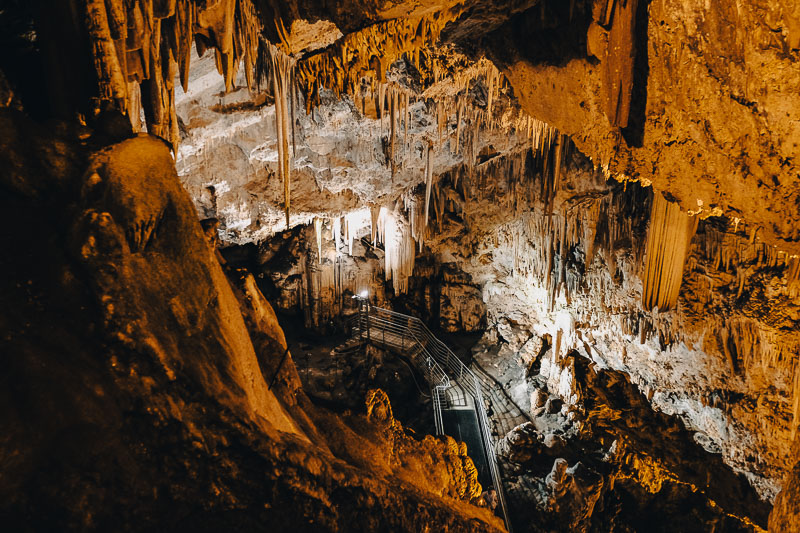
[(641, 88)]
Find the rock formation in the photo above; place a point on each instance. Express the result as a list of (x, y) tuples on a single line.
[(595, 202), (143, 389)]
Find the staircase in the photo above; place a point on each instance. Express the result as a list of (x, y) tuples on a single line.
[(505, 414), (454, 387)]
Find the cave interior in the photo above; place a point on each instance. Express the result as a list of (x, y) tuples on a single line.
[(409, 265)]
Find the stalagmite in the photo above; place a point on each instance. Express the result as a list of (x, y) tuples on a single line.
[(668, 238)]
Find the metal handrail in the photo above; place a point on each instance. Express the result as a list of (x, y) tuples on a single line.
[(436, 377), (434, 355)]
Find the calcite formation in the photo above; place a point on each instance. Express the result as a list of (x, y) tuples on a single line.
[(608, 190), (670, 234), (140, 47)]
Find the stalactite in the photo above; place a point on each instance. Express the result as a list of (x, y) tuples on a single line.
[(490, 83), (428, 181), (148, 43), (277, 67), (318, 234), (380, 99), (374, 212), (668, 239), (323, 287), (392, 128), (618, 62), (135, 106), (111, 79), (336, 228), (366, 54), (406, 120), (441, 118), (439, 206), (459, 111), (543, 239), (353, 224), (546, 234), (292, 99), (399, 249), (342, 65), (793, 275)]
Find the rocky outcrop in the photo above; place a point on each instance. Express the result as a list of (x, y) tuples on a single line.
[(133, 397), (443, 461), (139, 241), (611, 457), (714, 96), (785, 516)]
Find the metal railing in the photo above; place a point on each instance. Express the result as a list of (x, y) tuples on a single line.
[(379, 330), (396, 330)]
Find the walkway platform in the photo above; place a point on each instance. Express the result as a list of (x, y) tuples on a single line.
[(459, 396)]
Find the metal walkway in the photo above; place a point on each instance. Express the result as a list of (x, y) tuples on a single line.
[(458, 395)]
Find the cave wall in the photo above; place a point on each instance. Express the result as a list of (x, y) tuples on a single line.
[(574, 276), (558, 265), (320, 289), (718, 90)]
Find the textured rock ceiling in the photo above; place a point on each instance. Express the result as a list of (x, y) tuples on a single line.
[(228, 157), (643, 88)]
